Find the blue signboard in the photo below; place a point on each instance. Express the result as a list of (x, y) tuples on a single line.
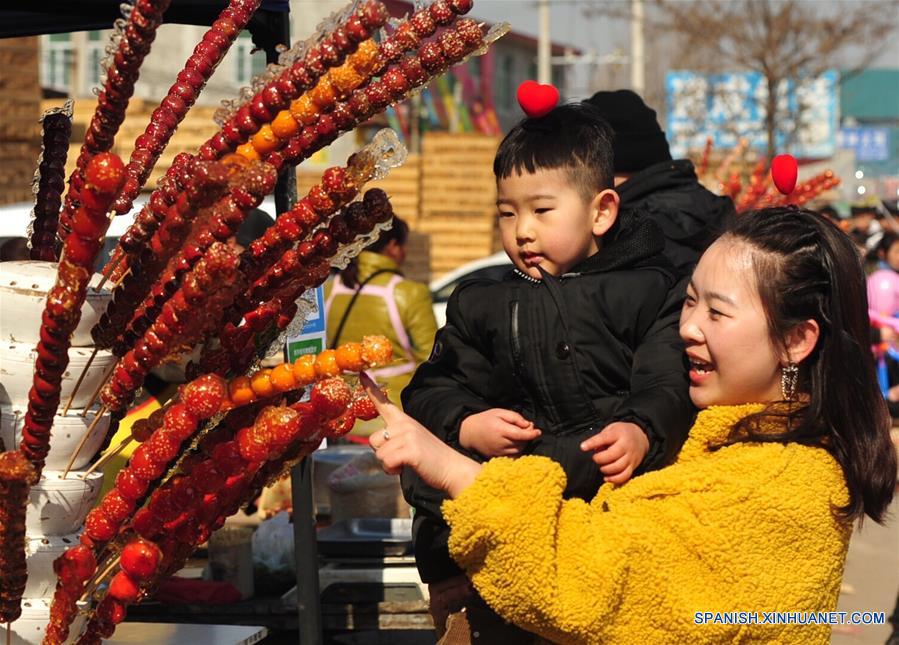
[(730, 107), (869, 144)]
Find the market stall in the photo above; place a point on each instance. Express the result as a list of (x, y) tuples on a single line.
[(175, 283)]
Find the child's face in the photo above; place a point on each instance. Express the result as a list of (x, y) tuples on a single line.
[(892, 256), (544, 221), (732, 358)]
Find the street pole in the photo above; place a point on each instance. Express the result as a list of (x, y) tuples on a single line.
[(544, 69), (638, 80)]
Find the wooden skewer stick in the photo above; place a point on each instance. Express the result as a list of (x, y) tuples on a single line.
[(109, 454), (122, 278), (8, 634), (109, 270), (97, 391), (98, 580), (87, 365), (83, 441)]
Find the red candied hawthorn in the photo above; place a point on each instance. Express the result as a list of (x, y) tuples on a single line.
[(205, 395), (363, 407), (330, 397), (140, 559), (123, 588), (105, 173)]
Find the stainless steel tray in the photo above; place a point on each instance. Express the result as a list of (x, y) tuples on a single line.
[(366, 536)]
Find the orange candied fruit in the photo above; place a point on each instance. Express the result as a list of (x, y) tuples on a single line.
[(282, 377), (304, 110), (349, 357), (265, 140), (240, 392), (365, 56), (376, 350), (326, 364), (247, 151), (285, 126), (234, 159), (261, 382), (323, 93), (304, 369), (345, 79)]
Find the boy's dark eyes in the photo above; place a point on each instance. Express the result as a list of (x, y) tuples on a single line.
[(540, 211), (505, 214)]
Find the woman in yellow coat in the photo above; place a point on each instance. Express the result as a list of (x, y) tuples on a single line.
[(371, 296), (753, 519)]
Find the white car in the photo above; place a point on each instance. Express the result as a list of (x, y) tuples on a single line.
[(14, 219), (493, 267)]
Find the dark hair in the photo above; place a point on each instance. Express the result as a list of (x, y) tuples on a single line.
[(806, 268), (398, 233), (888, 239), (573, 137)]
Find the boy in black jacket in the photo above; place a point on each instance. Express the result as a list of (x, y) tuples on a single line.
[(574, 355)]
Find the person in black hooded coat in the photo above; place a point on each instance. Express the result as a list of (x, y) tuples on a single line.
[(580, 340), (660, 189)]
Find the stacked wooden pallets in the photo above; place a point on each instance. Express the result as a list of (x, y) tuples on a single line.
[(20, 131), (458, 194)]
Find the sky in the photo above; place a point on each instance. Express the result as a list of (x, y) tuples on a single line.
[(571, 25)]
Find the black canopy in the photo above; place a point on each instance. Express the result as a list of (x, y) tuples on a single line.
[(269, 27)]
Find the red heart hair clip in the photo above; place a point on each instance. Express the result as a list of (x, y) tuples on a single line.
[(537, 99), (784, 171)]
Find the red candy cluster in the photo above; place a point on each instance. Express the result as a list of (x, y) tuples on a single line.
[(205, 182), (181, 96), (122, 74), (183, 319), (55, 147), (104, 176), (16, 476)]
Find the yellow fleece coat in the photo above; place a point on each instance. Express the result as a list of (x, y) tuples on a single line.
[(749, 527)]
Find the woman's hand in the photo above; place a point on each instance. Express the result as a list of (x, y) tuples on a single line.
[(405, 442)]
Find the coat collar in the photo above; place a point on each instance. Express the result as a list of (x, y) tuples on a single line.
[(370, 262), (712, 428), (661, 176)]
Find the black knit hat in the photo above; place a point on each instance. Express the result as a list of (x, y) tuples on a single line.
[(639, 140)]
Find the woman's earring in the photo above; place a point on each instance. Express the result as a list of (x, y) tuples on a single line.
[(789, 376)]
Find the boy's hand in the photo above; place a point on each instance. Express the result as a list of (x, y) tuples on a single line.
[(496, 433), (619, 449)]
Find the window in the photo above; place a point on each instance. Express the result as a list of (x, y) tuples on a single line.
[(505, 82), (94, 51), (247, 65), (56, 62)]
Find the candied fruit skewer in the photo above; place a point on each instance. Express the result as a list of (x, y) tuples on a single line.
[(208, 182), (356, 219), (302, 76), (293, 81), (222, 221), (212, 275), (103, 177), (298, 270), (433, 58), (121, 76), (132, 247), (337, 84), (17, 475), (181, 96), (49, 182)]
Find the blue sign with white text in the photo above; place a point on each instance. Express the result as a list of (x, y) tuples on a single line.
[(869, 144), (730, 107)]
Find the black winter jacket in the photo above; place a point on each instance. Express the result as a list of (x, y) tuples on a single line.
[(690, 216), (571, 354)]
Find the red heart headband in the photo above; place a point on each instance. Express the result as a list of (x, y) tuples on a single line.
[(537, 99), (784, 171)]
